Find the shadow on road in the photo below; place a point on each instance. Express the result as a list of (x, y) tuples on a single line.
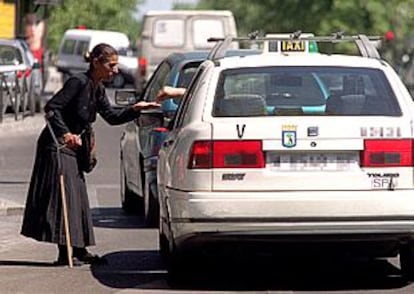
[(145, 270), (116, 218), (131, 269), (305, 269), (25, 263)]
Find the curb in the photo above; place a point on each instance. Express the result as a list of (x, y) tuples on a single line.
[(8, 208)]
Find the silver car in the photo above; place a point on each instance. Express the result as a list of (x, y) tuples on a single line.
[(16, 76)]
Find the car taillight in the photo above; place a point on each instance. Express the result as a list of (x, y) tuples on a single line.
[(142, 66), (226, 154), (387, 152)]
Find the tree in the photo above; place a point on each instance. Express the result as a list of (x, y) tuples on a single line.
[(93, 14), (322, 17)]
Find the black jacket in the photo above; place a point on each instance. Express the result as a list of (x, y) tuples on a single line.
[(74, 107)]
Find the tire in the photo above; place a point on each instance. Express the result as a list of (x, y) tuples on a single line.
[(407, 261), (181, 268), (151, 206), (130, 202), (164, 246)]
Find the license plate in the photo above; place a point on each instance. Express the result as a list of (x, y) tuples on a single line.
[(312, 161)]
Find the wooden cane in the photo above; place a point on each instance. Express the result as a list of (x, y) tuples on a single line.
[(66, 220), (62, 194)]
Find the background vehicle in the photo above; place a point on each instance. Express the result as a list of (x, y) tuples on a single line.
[(164, 32), (37, 77), (16, 68), (290, 148), (76, 42)]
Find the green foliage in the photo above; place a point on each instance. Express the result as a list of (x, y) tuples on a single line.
[(322, 17), (94, 14)]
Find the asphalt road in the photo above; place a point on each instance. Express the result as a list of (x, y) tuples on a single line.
[(134, 264)]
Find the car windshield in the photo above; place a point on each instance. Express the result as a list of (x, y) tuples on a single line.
[(10, 55), (307, 90)]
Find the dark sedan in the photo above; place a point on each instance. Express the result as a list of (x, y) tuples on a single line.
[(142, 138)]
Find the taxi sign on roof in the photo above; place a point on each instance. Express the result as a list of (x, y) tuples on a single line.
[(289, 45)]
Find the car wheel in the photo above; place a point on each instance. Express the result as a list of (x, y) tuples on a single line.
[(407, 261), (130, 202), (181, 267), (151, 207), (164, 246), (118, 81)]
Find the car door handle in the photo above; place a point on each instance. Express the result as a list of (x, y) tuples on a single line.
[(168, 143)]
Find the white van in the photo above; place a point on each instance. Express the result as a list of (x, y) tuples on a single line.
[(164, 32), (76, 42)]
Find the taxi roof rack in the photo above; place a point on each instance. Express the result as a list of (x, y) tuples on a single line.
[(365, 47)]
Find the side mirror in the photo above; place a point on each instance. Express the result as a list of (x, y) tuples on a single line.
[(126, 97)]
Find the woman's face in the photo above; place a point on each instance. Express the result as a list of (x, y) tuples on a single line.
[(106, 69)]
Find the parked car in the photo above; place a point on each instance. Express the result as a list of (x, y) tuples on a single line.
[(289, 148), (37, 77), (76, 42), (16, 68)]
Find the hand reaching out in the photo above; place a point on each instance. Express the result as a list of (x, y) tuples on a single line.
[(145, 105), (169, 92)]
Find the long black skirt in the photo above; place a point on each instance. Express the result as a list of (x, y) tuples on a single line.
[(43, 216)]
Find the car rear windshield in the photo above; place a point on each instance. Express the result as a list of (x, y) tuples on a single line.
[(278, 91)]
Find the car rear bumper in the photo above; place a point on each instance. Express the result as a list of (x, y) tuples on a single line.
[(278, 216)]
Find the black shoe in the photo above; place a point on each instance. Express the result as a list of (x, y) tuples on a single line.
[(62, 261), (89, 258)]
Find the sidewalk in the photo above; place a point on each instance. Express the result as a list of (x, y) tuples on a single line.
[(10, 128)]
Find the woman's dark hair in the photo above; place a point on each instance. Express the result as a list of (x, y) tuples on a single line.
[(101, 51)]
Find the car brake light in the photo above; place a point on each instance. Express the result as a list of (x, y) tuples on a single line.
[(387, 152), (19, 74), (226, 154), (142, 66), (200, 156)]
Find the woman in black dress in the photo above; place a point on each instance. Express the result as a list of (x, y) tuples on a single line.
[(72, 110)]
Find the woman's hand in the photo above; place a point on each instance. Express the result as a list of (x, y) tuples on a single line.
[(72, 141), (145, 105), (169, 92)]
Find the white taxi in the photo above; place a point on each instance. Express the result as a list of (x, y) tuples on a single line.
[(290, 146)]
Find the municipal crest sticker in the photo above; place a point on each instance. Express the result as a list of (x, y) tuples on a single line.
[(289, 136)]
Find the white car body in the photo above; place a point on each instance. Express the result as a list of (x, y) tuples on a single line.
[(294, 196)]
